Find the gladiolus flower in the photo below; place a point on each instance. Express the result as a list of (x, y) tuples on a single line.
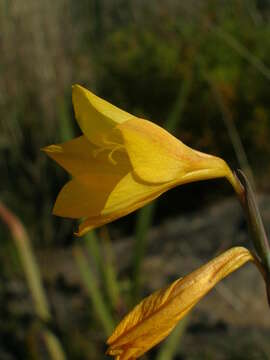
[(121, 163), (157, 315)]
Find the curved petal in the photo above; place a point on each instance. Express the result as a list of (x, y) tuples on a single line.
[(96, 117), (73, 201), (156, 316), (129, 192), (87, 196), (127, 196), (158, 157), (81, 158), (153, 152)]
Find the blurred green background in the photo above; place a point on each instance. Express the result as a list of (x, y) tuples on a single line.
[(199, 68)]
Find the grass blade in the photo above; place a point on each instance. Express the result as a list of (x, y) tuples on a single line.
[(94, 293), (33, 278), (105, 266), (110, 274)]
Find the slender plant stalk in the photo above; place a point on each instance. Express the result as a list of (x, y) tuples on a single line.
[(111, 284), (233, 43), (94, 293), (93, 247), (105, 266), (234, 135), (242, 51), (66, 129), (33, 279), (54, 345), (256, 229), (145, 215), (143, 223), (255, 222), (178, 108)]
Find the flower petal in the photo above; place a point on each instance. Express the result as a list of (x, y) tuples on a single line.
[(96, 117), (81, 159), (84, 197), (74, 201), (128, 195), (158, 157), (155, 317)]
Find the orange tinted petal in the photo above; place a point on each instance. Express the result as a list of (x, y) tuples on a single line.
[(158, 157), (156, 316)]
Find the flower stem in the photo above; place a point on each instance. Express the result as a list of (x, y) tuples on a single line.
[(256, 227), (88, 278)]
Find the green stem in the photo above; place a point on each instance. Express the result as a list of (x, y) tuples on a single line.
[(104, 266), (65, 123), (110, 274), (233, 133), (93, 246), (95, 295), (242, 51), (177, 110), (254, 219), (144, 221)]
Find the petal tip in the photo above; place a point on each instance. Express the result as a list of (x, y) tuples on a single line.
[(82, 230), (45, 149), (79, 90), (55, 210), (52, 149), (77, 87)]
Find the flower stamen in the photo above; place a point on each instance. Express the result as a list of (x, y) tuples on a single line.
[(117, 148), (110, 146)]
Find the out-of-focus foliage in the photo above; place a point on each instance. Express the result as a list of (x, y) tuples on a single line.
[(137, 54)]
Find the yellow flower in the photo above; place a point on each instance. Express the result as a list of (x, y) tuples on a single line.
[(121, 163), (156, 316)]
